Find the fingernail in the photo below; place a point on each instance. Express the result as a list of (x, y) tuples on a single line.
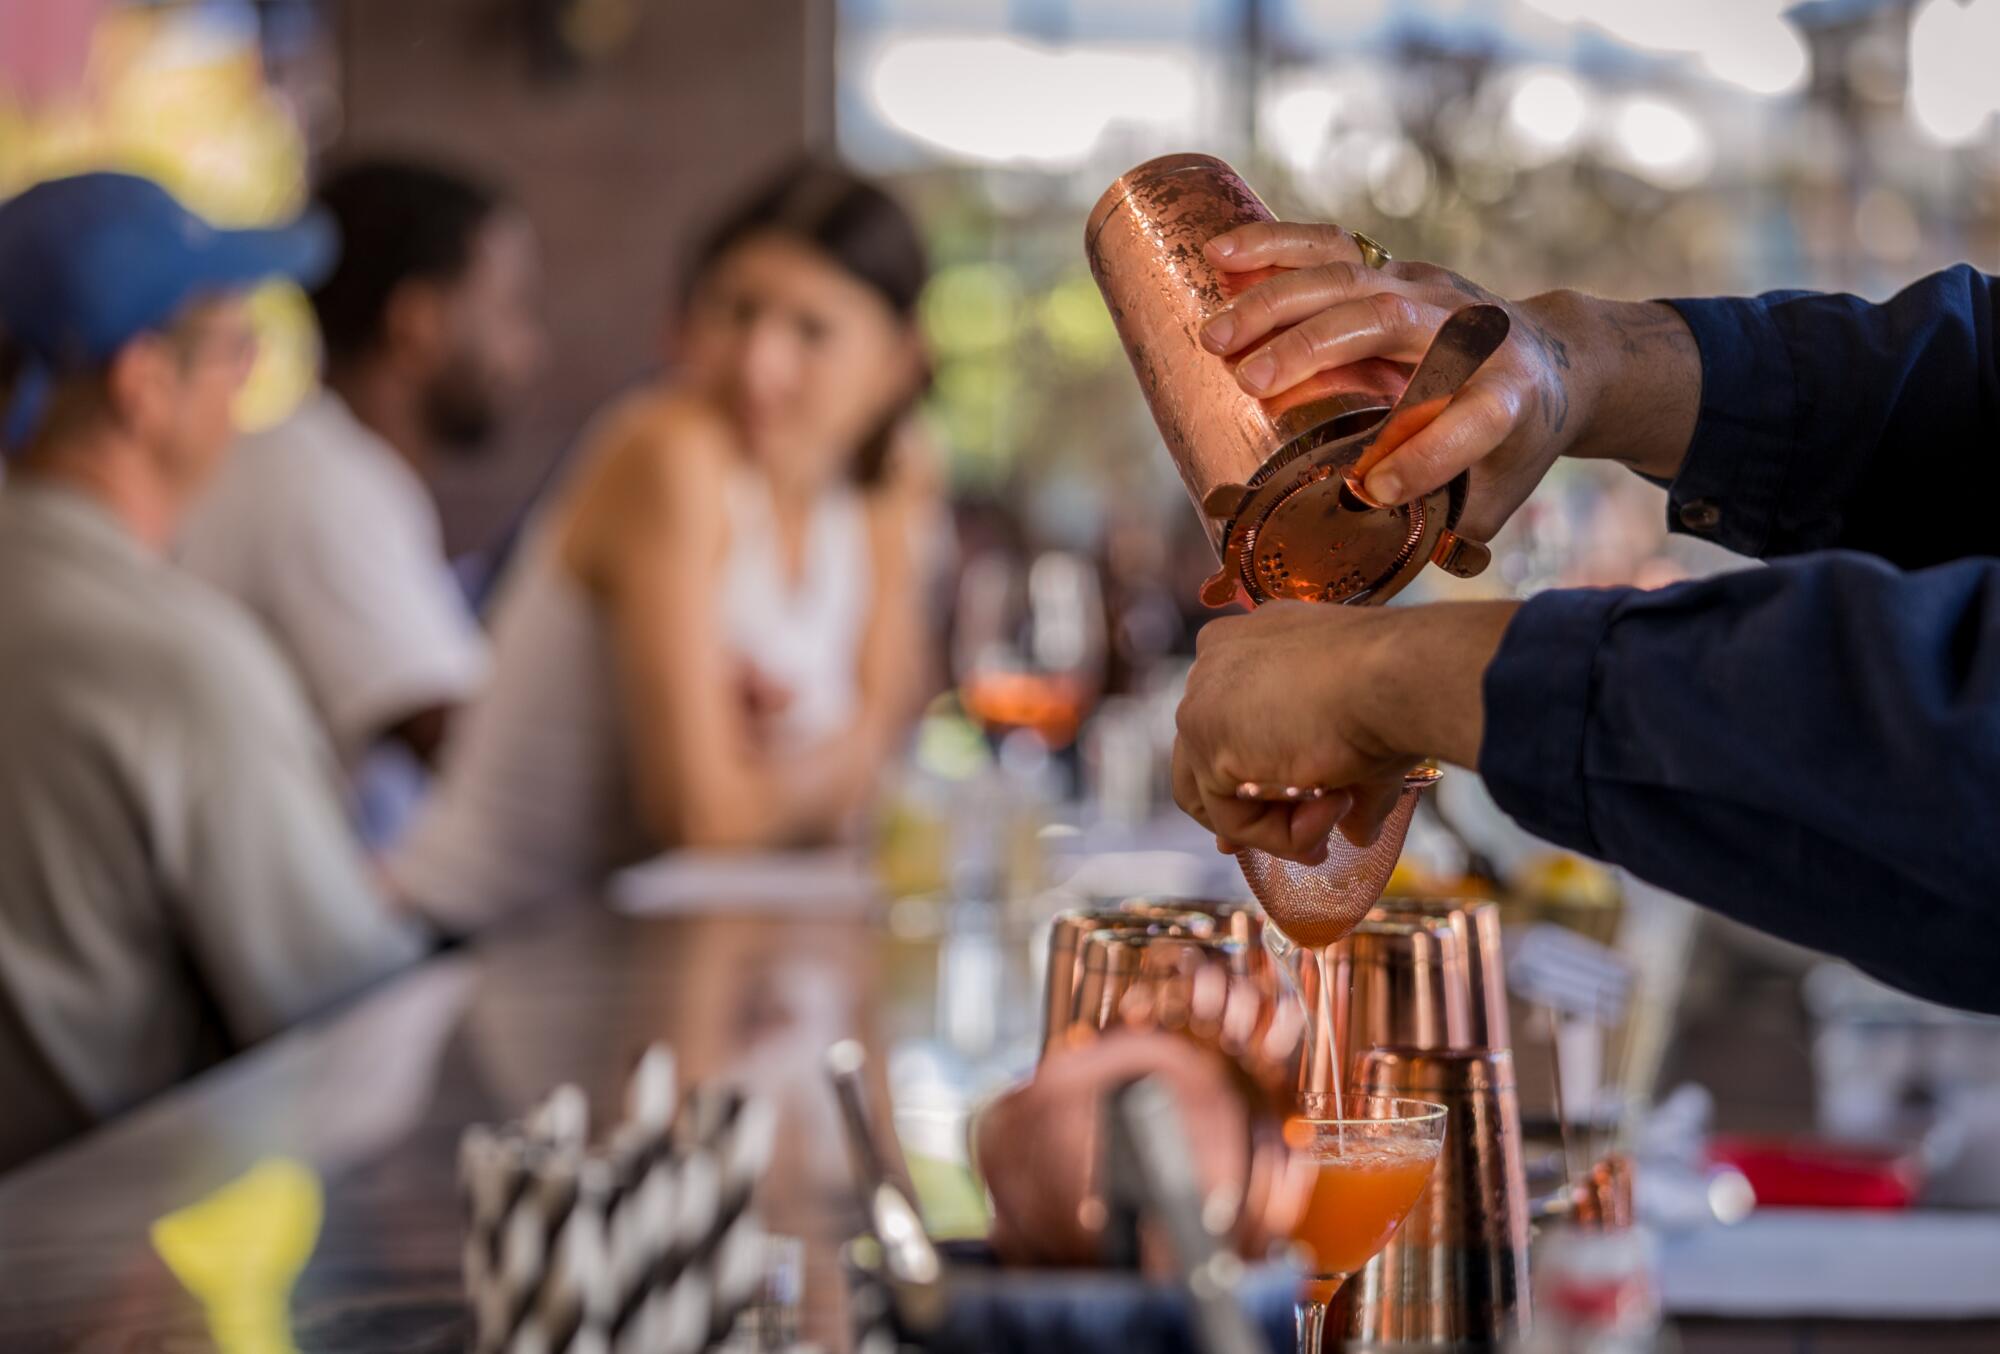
[(1215, 334), (1384, 487), (1223, 247), (1258, 371)]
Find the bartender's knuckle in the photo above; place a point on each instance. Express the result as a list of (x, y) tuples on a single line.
[(1333, 247), (1255, 311), (1425, 459), (1434, 459), (1256, 237), (1185, 712), (1189, 801), (1491, 406), (1336, 279), (1292, 349), (1308, 239), (1395, 313), (1333, 239), (1321, 333), (1271, 837)]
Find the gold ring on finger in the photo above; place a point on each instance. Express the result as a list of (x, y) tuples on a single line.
[(1372, 253)]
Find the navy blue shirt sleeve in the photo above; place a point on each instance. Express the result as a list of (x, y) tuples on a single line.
[(1813, 748), (1830, 422)]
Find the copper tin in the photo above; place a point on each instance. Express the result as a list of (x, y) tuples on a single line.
[(1063, 967), (1230, 920), (1237, 926), (1114, 962), (1400, 983), (1107, 965), (1477, 924), (1268, 476), (1456, 1274)]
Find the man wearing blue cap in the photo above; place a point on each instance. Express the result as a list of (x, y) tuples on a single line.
[(176, 877), (325, 526)]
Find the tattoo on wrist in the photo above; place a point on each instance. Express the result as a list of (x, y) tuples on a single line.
[(1554, 395), (1552, 400), (1643, 330), (1467, 287), (1656, 372)]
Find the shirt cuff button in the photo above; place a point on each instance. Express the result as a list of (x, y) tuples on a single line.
[(1700, 515)]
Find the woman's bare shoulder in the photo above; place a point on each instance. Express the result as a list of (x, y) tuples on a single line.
[(654, 453), (656, 470), (664, 437)]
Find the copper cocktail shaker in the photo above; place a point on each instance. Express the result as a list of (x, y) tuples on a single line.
[(1456, 1274), (1272, 478), (1477, 925), (1399, 983)]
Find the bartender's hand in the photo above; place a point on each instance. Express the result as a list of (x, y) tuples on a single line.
[(1577, 375), (1349, 698)]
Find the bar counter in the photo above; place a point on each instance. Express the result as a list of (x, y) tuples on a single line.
[(371, 1099)]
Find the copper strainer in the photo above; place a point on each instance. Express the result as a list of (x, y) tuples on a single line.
[(1316, 905)]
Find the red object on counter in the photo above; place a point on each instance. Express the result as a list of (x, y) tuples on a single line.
[(1809, 1173)]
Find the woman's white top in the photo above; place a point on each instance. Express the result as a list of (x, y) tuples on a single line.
[(534, 801)]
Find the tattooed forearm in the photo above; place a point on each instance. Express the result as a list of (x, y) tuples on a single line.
[(1648, 386), (1647, 329), (1555, 356)]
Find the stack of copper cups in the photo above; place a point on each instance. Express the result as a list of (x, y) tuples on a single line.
[(1426, 1017), (1424, 1010)]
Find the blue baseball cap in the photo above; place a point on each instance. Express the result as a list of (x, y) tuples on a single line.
[(89, 263)]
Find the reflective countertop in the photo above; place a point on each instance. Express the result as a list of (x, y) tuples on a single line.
[(343, 1134)]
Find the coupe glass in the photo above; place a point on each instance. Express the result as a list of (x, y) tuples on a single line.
[(1355, 1179)]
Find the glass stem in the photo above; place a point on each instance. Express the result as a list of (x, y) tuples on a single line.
[(1312, 1325)]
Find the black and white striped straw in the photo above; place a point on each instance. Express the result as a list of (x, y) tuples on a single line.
[(644, 1244)]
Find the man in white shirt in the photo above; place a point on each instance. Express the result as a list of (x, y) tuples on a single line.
[(325, 526), (176, 876)]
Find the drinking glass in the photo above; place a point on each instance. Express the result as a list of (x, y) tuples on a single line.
[(1354, 1179), (1028, 644)]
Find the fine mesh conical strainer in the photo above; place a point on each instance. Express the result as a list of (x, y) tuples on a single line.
[(1316, 905)]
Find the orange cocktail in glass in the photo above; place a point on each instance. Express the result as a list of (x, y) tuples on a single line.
[(1357, 1178)]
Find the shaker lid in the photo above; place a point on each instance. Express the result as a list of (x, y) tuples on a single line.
[(1303, 528)]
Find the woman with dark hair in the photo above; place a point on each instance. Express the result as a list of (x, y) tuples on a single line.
[(712, 637)]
